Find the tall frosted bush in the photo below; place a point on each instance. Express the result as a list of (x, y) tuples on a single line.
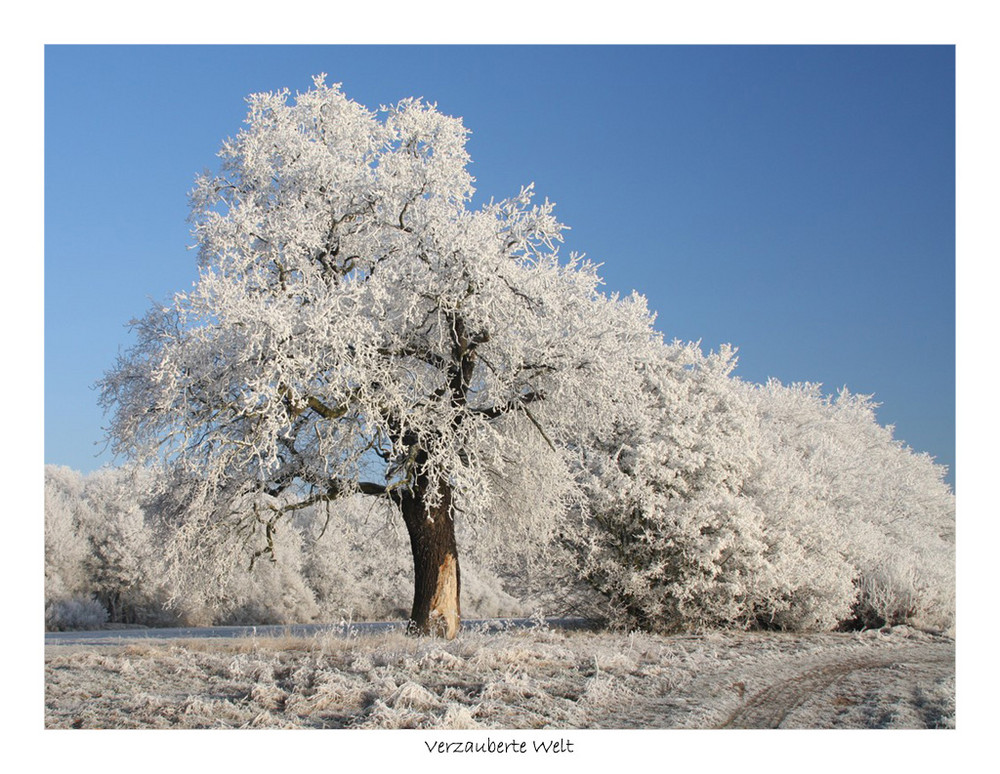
[(670, 543), (723, 503), (888, 509)]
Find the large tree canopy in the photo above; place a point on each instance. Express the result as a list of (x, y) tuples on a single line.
[(357, 327)]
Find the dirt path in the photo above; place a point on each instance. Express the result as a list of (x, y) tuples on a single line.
[(773, 706)]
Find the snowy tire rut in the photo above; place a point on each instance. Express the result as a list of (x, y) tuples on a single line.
[(772, 706)]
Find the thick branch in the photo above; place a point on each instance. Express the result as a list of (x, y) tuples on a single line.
[(517, 403), (369, 488), (325, 411), (424, 354)]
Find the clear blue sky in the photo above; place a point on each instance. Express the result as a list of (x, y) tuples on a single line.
[(797, 202)]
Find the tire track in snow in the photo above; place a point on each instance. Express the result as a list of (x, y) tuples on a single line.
[(769, 708)]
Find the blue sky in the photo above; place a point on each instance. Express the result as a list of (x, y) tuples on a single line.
[(797, 202)]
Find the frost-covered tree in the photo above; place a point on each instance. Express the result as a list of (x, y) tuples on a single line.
[(355, 561), (859, 496), (99, 557), (357, 328), (121, 559), (670, 541), (64, 551), (724, 503), (68, 595)]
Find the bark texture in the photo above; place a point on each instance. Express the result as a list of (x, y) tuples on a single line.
[(437, 579)]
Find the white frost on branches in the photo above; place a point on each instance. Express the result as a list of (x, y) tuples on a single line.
[(356, 325), (724, 503), (357, 329)]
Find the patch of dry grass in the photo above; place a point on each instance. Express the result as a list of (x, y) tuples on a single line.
[(523, 679)]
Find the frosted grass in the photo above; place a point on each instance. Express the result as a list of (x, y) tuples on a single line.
[(529, 679)]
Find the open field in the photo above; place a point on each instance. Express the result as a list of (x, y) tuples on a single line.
[(539, 678)]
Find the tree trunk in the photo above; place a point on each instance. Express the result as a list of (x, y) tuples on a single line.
[(436, 582)]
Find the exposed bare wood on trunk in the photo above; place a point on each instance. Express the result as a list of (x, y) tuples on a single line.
[(444, 618), (437, 578)]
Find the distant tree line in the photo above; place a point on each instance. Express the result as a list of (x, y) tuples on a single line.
[(120, 549)]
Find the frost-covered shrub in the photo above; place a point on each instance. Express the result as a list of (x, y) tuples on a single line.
[(669, 542), (484, 595), (887, 508), (76, 612), (120, 562), (723, 503)]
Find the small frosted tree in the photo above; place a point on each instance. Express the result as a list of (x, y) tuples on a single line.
[(64, 549), (121, 558), (357, 328)]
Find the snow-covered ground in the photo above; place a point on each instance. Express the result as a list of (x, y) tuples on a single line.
[(535, 678)]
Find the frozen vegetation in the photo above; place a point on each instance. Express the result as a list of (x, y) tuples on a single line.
[(375, 395), (533, 679), (119, 552), (360, 332), (874, 546)]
